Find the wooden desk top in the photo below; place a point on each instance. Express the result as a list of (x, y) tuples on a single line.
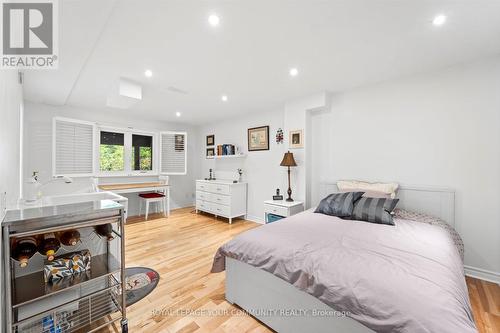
[(114, 187)]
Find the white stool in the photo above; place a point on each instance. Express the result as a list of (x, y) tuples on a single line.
[(148, 198)]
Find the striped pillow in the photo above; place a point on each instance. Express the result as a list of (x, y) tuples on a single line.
[(375, 210), (338, 204)]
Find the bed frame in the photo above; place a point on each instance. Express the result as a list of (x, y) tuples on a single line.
[(277, 303)]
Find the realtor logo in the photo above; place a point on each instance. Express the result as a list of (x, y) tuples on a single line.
[(29, 34)]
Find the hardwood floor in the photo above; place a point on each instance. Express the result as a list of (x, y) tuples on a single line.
[(189, 298)]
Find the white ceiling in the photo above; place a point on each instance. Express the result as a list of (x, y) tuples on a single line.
[(335, 45)]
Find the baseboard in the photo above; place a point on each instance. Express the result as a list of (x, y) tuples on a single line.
[(255, 219), (482, 274)]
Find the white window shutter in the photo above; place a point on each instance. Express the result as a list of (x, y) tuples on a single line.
[(73, 147), (173, 150)]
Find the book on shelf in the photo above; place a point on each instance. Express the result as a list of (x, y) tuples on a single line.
[(226, 149)]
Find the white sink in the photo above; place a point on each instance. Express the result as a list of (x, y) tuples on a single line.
[(56, 200)]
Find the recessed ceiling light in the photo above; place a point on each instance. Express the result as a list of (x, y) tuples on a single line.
[(224, 98), (177, 114), (294, 72), (439, 20), (148, 73), (214, 20)]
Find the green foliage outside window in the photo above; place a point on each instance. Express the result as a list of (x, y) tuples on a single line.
[(145, 161), (111, 158)]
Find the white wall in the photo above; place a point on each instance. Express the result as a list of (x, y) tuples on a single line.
[(10, 120), (11, 100), (38, 150), (261, 169), (440, 129)]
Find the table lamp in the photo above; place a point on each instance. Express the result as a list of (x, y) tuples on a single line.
[(288, 161)]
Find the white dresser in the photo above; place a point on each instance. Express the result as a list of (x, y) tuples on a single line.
[(221, 198)]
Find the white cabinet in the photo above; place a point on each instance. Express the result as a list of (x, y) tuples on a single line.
[(221, 198), (277, 209)]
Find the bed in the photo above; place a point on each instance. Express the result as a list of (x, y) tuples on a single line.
[(317, 273)]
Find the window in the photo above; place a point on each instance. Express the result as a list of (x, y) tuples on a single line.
[(112, 151), (142, 152), (173, 153), (125, 152), (73, 147)]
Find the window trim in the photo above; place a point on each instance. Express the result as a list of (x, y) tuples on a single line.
[(54, 146), (127, 153)]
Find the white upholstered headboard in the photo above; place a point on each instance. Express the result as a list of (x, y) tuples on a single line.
[(437, 202)]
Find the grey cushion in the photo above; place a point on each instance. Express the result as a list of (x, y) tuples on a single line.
[(338, 204), (375, 210)]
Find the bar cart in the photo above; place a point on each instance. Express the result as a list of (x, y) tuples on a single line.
[(87, 302)]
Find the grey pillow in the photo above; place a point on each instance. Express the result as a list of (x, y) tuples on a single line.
[(375, 210), (338, 204)]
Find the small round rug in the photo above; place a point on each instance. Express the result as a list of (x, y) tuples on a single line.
[(140, 282)]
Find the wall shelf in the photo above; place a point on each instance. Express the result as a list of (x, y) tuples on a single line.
[(223, 157)]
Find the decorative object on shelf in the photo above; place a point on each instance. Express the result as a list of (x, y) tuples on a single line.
[(210, 152), (23, 249), (210, 140), (105, 230), (258, 138), (67, 265), (240, 173), (296, 139), (49, 245), (288, 161), (279, 136), (140, 282), (278, 196), (69, 237)]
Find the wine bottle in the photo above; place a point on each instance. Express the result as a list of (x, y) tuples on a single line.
[(49, 245), (105, 230), (23, 250), (69, 237)]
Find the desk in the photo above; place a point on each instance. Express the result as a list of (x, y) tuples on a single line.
[(140, 187)]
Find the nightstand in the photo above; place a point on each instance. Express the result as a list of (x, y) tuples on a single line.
[(275, 210)]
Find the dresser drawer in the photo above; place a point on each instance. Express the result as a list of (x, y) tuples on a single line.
[(277, 210), (219, 189), (220, 199), (201, 186), (220, 209), (203, 205), (200, 195)]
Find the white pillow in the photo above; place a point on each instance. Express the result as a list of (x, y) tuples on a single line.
[(355, 185)]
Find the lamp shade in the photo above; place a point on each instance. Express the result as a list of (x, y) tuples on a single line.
[(288, 160)]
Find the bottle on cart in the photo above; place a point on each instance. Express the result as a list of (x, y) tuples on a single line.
[(49, 245), (23, 250), (105, 230), (69, 237)]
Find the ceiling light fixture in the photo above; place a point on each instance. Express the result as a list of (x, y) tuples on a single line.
[(439, 20), (294, 72), (177, 114), (224, 98), (148, 73), (214, 20)]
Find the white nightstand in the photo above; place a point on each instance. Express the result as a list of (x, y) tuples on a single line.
[(275, 210)]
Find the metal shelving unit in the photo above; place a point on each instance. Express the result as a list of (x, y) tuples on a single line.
[(86, 302)]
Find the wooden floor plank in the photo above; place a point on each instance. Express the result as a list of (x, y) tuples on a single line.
[(181, 248)]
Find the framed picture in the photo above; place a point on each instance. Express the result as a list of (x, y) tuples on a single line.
[(210, 152), (258, 138), (296, 139), (210, 140)]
